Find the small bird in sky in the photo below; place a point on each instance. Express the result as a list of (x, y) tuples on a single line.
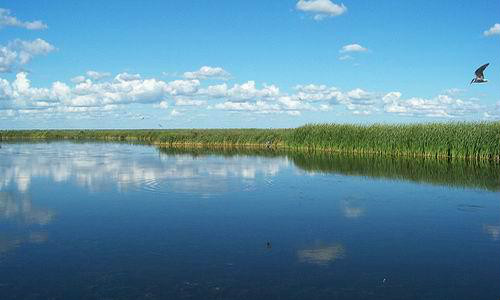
[(161, 126), (479, 74)]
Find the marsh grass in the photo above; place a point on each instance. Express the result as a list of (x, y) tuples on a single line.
[(452, 140), (465, 140)]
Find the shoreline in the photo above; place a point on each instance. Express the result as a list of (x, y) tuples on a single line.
[(467, 141)]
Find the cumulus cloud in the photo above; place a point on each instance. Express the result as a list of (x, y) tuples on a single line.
[(439, 106), (78, 79), (6, 19), (163, 104), (99, 75), (121, 90), (313, 92), (353, 48), (19, 52), (494, 30), (360, 102), (259, 106), (189, 102), (88, 96), (127, 77), (321, 8), (175, 113), (207, 72), (241, 92), (492, 112)]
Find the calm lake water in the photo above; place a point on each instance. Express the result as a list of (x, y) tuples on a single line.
[(119, 221)]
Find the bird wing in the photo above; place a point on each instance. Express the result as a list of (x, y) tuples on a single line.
[(479, 71)]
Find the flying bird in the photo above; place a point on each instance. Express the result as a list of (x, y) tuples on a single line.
[(479, 74)]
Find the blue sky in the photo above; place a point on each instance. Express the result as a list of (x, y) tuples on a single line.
[(199, 64)]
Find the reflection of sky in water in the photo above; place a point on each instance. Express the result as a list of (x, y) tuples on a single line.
[(125, 222), (21, 208), (493, 231), (97, 165), (322, 255), (25, 220), (352, 207)]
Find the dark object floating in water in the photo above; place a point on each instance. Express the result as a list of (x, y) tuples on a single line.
[(479, 74), (268, 245)]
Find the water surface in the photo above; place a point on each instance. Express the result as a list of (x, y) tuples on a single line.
[(119, 221)]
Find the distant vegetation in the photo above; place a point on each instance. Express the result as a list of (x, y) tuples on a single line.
[(477, 141)]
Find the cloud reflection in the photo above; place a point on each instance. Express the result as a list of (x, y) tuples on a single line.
[(351, 207), (99, 166), (25, 220), (21, 208), (493, 231), (322, 255)]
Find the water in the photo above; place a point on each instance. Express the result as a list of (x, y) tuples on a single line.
[(119, 221)]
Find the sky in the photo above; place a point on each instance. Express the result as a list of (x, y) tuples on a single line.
[(246, 64)]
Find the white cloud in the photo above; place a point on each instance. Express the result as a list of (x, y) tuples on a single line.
[(353, 48), (8, 58), (99, 75), (439, 106), (175, 113), (85, 96), (127, 77), (492, 112), (163, 104), (313, 92), (345, 57), (241, 92), (454, 91), (189, 102), (259, 106), (86, 93), (494, 30), (207, 72), (292, 103), (78, 79), (19, 52), (360, 95), (360, 102), (325, 107), (321, 8), (6, 19)]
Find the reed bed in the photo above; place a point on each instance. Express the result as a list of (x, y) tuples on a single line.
[(479, 140), (464, 140)]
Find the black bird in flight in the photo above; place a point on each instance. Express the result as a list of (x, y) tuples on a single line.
[(479, 74)]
